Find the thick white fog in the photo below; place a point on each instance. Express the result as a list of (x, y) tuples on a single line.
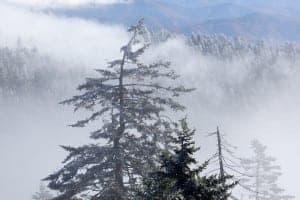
[(30, 132), (69, 39)]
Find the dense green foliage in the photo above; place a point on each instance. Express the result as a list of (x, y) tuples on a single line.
[(179, 176)]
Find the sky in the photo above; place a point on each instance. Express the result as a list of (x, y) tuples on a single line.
[(64, 2), (30, 135)]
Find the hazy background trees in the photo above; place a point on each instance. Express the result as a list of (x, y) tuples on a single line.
[(262, 174)]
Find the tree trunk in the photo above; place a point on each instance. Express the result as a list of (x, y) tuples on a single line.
[(119, 135), (220, 155), (257, 182)]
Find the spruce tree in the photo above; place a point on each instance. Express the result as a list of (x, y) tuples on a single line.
[(179, 176), (263, 175), (130, 97)]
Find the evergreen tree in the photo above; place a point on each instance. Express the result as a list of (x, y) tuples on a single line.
[(177, 179), (262, 175), (43, 194), (129, 97)]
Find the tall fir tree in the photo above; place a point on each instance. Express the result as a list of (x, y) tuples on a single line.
[(130, 97), (179, 177), (262, 175)]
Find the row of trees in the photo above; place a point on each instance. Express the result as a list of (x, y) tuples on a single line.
[(139, 151), (228, 48), (25, 71)]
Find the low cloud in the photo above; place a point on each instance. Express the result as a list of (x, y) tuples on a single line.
[(84, 42)]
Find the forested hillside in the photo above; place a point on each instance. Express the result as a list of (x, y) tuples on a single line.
[(26, 72)]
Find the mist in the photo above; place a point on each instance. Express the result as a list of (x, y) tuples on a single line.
[(31, 131), (61, 38)]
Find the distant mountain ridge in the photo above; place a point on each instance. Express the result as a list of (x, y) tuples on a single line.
[(234, 18), (255, 25)]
